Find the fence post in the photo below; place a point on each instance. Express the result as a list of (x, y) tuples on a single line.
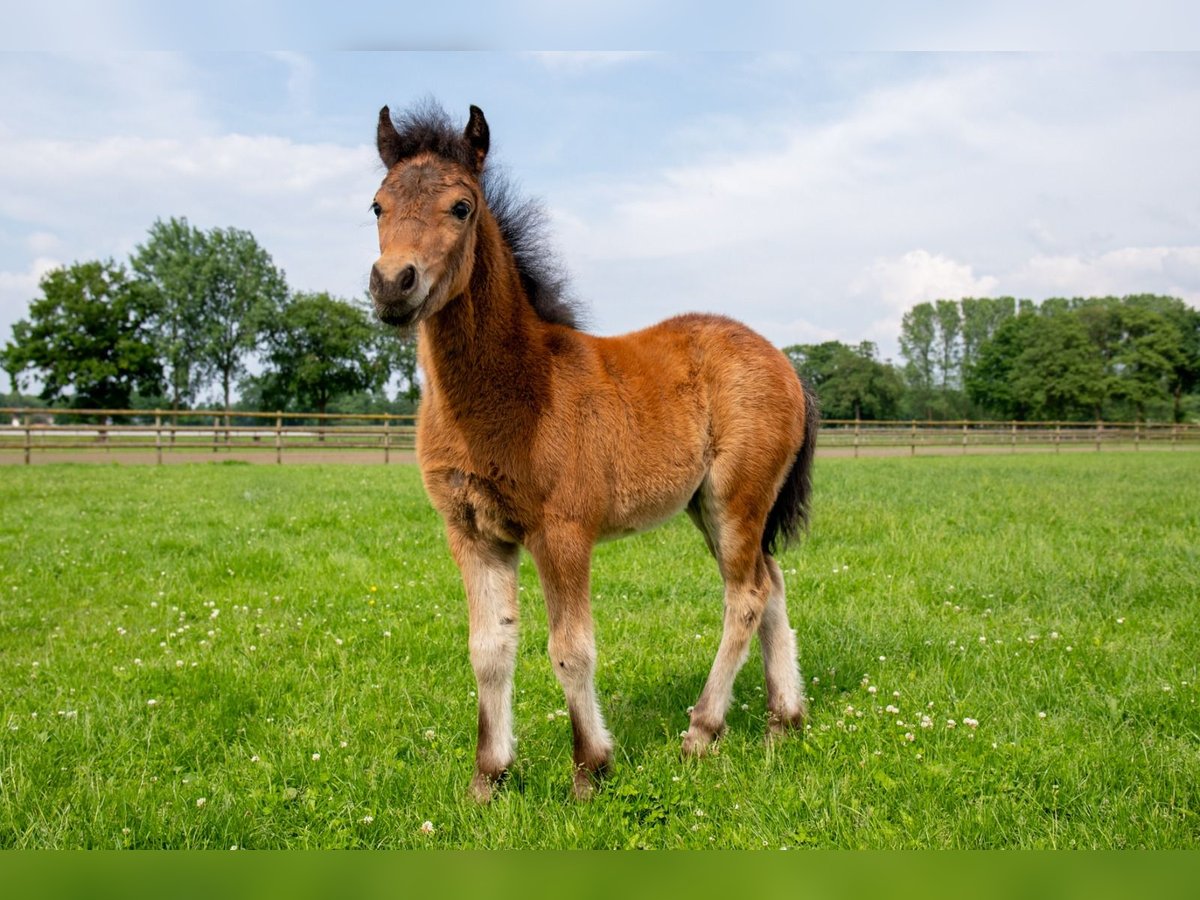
[(856, 431), (158, 436), (964, 438), (216, 432), (1099, 434), (387, 440), (28, 439), (1137, 427), (1057, 436), (913, 439), (1013, 435), (1174, 435), (278, 437)]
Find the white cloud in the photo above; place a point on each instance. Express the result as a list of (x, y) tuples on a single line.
[(919, 276), (1169, 270)]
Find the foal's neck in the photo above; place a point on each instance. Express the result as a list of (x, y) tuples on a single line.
[(483, 353)]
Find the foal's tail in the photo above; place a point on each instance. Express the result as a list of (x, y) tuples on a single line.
[(789, 515)]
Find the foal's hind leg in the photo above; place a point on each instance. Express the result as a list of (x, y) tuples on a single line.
[(748, 588), (785, 687), (489, 571)]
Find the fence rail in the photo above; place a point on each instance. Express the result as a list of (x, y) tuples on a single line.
[(44, 435)]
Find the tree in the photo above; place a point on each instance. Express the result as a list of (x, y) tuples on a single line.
[(1038, 366), (948, 320), (171, 264), (990, 380), (981, 316), (242, 291), (318, 348), (89, 338), (1057, 375), (917, 336), (1184, 377), (1149, 355), (850, 381)]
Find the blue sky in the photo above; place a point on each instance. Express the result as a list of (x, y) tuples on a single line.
[(814, 194)]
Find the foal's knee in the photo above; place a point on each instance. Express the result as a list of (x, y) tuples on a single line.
[(572, 658)]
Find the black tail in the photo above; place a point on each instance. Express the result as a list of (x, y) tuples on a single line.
[(789, 515)]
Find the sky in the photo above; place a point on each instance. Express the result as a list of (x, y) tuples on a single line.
[(815, 194)]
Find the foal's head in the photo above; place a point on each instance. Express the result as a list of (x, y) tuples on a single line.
[(428, 207)]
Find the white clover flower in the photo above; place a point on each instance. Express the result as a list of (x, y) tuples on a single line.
[(316, 756), (426, 827), (970, 723), (200, 801), (368, 819), (152, 702)]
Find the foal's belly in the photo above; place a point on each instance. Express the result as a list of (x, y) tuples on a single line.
[(650, 504)]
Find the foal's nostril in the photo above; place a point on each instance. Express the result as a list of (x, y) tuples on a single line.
[(408, 279)]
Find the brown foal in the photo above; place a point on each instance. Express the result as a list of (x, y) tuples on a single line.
[(533, 433)]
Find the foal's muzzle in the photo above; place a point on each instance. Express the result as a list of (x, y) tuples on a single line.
[(397, 295)]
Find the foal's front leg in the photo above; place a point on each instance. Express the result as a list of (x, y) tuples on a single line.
[(489, 570), (563, 558)]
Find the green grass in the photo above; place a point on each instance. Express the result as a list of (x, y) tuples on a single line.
[(273, 614)]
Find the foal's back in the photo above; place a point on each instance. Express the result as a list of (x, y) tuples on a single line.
[(641, 419)]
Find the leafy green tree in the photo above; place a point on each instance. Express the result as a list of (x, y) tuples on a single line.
[(171, 263), (981, 316), (948, 319), (851, 382), (1056, 374), (89, 338), (990, 379), (917, 338), (242, 291), (1149, 356), (1184, 377), (1101, 321), (319, 348)]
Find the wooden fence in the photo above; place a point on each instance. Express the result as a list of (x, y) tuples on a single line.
[(41, 435)]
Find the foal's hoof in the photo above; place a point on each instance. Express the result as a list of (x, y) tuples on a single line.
[(781, 724), (698, 741), (586, 780), (484, 787)]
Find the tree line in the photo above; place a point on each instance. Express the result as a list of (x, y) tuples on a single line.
[(192, 316), (1133, 358)]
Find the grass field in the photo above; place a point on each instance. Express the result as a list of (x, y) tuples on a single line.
[(1002, 652)]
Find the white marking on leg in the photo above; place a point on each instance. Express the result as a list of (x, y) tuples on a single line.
[(785, 686), (492, 595), (742, 615)]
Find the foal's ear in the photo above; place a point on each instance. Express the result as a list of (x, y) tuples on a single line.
[(387, 139), (477, 136)]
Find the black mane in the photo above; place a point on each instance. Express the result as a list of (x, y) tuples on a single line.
[(426, 128)]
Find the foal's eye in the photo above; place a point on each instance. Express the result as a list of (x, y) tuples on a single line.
[(377, 209), (461, 210)]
